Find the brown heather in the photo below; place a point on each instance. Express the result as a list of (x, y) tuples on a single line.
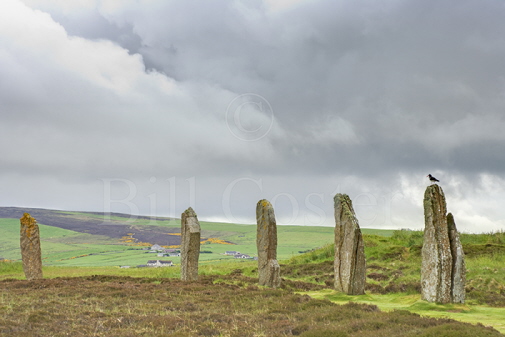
[(225, 305)]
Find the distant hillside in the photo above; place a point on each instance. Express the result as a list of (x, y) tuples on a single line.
[(99, 239), (113, 225), (153, 230)]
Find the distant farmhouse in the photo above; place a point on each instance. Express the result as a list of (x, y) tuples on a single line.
[(242, 256), (156, 248), (231, 252), (159, 263), (162, 252), (237, 255)]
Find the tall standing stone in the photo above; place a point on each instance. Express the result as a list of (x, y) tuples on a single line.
[(350, 262), (266, 241), (458, 278), (436, 268), (30, 248), (190, 245)]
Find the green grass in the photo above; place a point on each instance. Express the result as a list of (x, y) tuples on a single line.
[(470, 313), (14, 270), (394, 269), (484, 238), (65, 247), (9, 239), (69, 248)]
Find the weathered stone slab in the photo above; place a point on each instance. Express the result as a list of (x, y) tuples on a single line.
[(266, 241), (190, 245), (436, 268), (458, 293), (30, 248), (350, 262)]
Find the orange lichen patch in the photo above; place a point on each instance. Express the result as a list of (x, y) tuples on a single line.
[(216, 240), (29, 225)]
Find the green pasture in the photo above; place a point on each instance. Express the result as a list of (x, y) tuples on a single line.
[(9, 239), (52, 239), (15, 270), (468, 312), (69, 248)]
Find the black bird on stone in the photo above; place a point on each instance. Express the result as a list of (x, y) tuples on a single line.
[(432, 178)]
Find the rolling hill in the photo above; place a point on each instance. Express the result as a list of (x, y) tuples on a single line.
[(98, 239)]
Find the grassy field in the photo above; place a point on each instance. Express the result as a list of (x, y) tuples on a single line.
[(63, 247), (68, 248)]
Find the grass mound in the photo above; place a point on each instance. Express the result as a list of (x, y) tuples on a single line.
[(394, 265)]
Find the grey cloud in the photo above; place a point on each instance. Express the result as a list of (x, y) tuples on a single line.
[(375, 91)]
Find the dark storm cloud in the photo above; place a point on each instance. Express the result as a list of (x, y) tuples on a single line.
[(368, 97), (402, 76)]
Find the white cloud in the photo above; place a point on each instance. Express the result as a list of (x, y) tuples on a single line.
[(92, 102), (66, 7), (104, 64), (476, 205)]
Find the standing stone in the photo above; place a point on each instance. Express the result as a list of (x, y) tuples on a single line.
[(30, 248), (350, 262), (436, 268), (190, 245), (458, 263), (266, 241)]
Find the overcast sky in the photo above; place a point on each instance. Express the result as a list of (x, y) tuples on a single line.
[(152, 106)]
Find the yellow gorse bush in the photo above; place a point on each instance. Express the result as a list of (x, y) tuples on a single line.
[(215, 240)]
